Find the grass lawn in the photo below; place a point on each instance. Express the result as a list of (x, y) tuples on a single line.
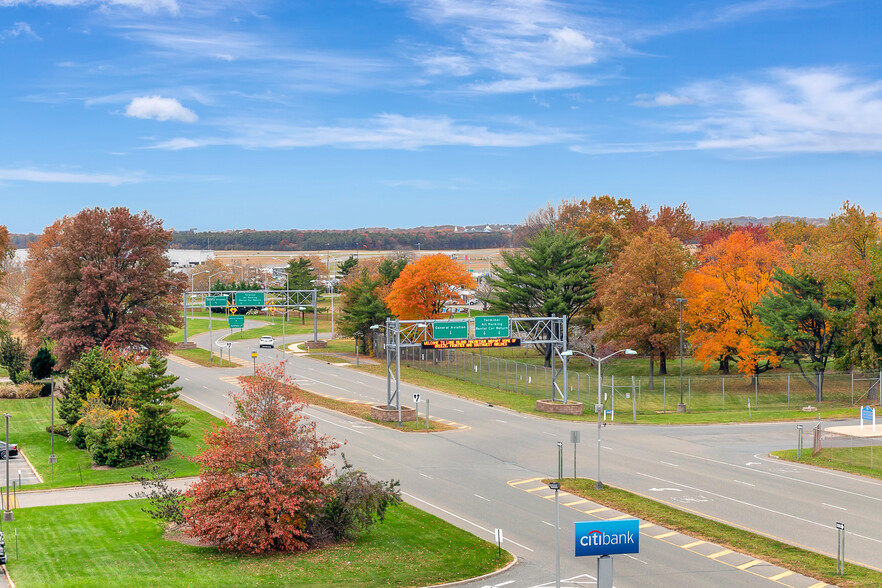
[(845, 459), (291, 328), (527, 404), (787, 556), (115, 544), (27, 427), (201, 357)]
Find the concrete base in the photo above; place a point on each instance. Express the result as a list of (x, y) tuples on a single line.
[(571, 408), (390, 415), (187, 345), (318, 345), (681, 407)]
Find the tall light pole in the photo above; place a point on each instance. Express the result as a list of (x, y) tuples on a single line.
[(7, 514), (598, 408), (192, 313), (211, 312), (681, 407), (556, 487), (51, 382)]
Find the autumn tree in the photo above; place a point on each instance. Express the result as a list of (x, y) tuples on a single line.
[(302, 274), (101, 277), (598, 219), (734, 273), (638, 295), (361, 300), (262, 474), (797, 233), (675, 220), (424, 285), (722, 229)]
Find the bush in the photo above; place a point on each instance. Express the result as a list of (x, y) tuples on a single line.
[(61, 428), (7, 391), (28, 390)]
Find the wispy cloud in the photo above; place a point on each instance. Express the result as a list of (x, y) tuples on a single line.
[(19, 29), (150, 6), (55, 177), (159, 108), (386, 131), (818, 110)]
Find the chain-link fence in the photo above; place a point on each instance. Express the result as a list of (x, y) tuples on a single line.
[(846, 449), (653, 395)]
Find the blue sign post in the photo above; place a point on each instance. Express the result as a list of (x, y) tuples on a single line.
[(607, 537), (868, 413)]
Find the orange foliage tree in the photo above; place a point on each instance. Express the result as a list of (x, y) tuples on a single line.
[(735, 272), (423, 286), (261, 476)]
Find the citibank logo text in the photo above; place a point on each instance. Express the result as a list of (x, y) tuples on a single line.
[(607, 537)]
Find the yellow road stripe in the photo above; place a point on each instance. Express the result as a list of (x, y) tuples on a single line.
[(720, 553), (620, 517), (644, 525), (601, 509), (580, 501), (691, 545), (663, 535), (781, 575), (750, 564), (542, 487), (819, 585), (523, 481)]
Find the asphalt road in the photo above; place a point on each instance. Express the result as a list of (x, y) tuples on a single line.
[(471, 477)]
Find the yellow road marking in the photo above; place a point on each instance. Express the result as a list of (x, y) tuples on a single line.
[(663, 535), (542, 487), (523, 481), (601, 509), (620, 517), (781, 575), (580, 501), (819, 585), (644, 525), (691, 545), (750, 564), (720, 553)]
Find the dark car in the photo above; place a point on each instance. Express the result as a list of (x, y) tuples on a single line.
[(13, 450)]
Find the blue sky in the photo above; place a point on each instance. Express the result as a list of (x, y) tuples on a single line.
[(218, 114)]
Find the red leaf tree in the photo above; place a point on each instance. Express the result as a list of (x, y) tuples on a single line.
[(262, 475), (424, 285), (102, 278)]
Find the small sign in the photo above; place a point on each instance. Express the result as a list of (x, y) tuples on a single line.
[(236, 322), (489, 327), (575, 436), (627, 395), (497, 533), (416, 398), (607, 537), (840, 526), (214, 301), (250, 299), (868, 413), (233, 310)]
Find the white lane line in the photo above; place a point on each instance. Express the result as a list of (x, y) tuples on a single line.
[(482, 498), (773, 511), (547, 523), (789, 478), (670, 464), (637, 559), (425, 476), (549, 434), (745, 483), (500, 421), (814, 470), (833, 506), (503, 584), (447, 512), (318, 418), (191, 400), (378, 457), (360, 382), (457, 410)]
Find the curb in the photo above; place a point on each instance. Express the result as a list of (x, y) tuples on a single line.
[(501, 570), (30, 465)]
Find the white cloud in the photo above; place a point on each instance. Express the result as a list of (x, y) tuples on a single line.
[(19, 29), (386, 131), (159, 108), (33, 175), (819, 110), (149, 6)]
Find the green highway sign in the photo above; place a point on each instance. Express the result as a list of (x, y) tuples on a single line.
[(490, 327), (237, 321), (250, 298), (456, 330), (215, 301)]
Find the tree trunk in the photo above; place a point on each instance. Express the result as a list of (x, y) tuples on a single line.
[(548, 351), (724, 366), (662, 364), (819, 388), (651, 370)]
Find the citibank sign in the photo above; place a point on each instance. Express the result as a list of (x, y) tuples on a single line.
[(607, 537)]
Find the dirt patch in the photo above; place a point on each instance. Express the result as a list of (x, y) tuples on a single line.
[(176, 533)]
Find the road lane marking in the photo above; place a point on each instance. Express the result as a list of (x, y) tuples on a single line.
[(313, 416), (425, 476), (542, 487), (547, 523), (580, 501), (745, 483), (447, 512), (601, 509), (645, 525), (482, 498), (378, 457), (777, 577), (549, 434), (750, 564), (691, 545), (458, 410), (524, 481), (663, 535), (833, 506), (209, 409), (501, 421), (720, 553), (670, 464)]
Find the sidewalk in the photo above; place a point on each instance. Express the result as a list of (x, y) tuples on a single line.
[(86, 494)]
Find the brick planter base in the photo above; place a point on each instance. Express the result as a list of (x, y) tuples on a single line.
[(315, 344), (390, 415), (573, 408), (187, 345)]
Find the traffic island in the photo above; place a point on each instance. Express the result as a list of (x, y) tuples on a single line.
[(384, 414), (570, 408)]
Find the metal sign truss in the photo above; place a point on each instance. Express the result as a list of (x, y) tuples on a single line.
[(272, 299), (550, 330)]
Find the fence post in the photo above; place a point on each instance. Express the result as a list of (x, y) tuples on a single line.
[(723, 378), (852, 387), (788, 390), (634, 405), (664, 394), (689, 400), (612, 384), (755, 392)]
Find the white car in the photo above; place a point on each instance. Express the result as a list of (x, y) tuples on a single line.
[(267, 341)]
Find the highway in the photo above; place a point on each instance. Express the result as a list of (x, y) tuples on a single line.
[(483, 476)]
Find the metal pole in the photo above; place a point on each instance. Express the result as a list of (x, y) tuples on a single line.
[(184, 300), (398, 369), (599, 409), (52, 458), (556, 486), (356, 350), (559, 460), (633, 400), (7, 514), (427, 414), (681, 407), (388, 369), (314, 315)]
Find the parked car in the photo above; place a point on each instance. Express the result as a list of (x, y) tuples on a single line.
[(13, 450), (267, 341)]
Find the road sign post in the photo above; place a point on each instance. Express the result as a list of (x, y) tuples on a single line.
[(498, 535), (840, 552), (868, 413), (799, 442), (575, 437)]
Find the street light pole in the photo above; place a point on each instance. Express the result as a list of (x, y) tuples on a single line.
[(7, 514), (211, 312), (556, 487), (681, 407)]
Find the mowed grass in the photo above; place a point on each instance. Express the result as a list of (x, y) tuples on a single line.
[(27, 427), (115, 544), (291, 328), (201, 356), (781, 554), (856, 460)]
